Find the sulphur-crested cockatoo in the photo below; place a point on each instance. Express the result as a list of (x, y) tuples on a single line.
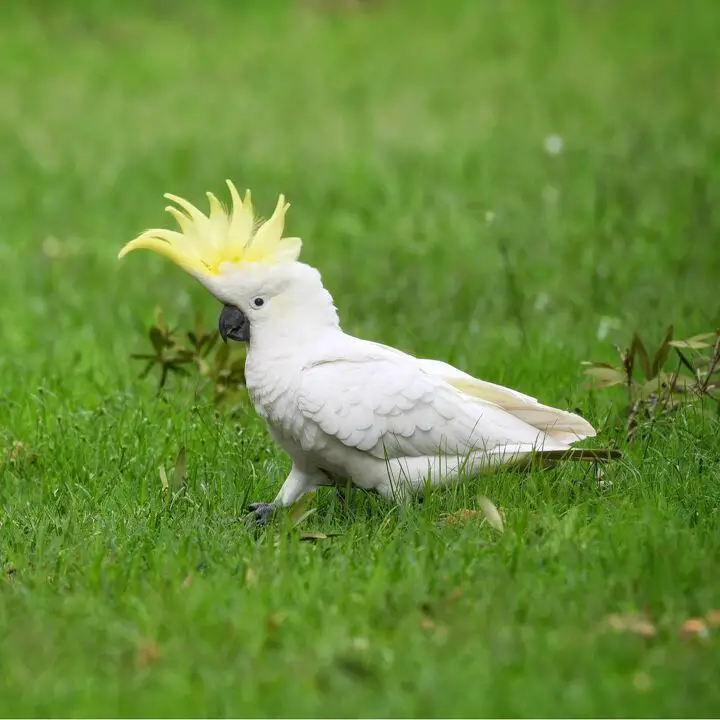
[(341, 407)]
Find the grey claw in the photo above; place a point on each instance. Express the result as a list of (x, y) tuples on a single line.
[(262, 512)]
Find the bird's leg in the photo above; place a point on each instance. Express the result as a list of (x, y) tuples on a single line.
[(262, 512), (297, 483)]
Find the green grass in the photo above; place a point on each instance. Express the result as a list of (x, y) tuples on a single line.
[(393, 131)]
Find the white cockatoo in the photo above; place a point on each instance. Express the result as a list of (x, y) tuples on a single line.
[(341, 407)]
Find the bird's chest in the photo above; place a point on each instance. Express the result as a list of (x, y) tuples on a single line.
[(272, 383), (274, 388)]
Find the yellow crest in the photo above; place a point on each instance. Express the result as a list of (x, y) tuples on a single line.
[(206, 242)]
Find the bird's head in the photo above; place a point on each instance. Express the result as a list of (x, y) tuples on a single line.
[(248, 266)]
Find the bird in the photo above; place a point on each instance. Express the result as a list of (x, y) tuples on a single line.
[(346, 409)]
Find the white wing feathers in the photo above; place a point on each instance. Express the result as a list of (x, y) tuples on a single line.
[(558, 424), (389, 404)]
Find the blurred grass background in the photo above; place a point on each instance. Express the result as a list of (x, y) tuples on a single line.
[(509, 186)]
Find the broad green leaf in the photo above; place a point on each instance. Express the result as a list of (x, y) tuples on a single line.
[(637, 350), (661, 355), (157, 339)]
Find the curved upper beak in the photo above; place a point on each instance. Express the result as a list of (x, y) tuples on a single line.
[(233, 324)]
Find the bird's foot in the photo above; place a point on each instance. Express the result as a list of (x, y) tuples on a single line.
[(262, 512)]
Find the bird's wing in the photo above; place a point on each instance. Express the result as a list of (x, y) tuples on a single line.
[(559, 425), (385, 404)]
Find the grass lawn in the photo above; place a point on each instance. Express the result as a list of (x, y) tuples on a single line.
[(417, 142)]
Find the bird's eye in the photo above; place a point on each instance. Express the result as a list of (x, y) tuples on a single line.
[(258, 302)]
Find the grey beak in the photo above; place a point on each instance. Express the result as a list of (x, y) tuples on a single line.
[(233, 324)]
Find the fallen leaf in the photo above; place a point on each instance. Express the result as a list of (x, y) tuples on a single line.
[(309, 536), (148, 653), (694, 627), (18, 453), (493, 515), (17, 449), (712, 618), (461, 516), (632, 623), (186, 582)]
